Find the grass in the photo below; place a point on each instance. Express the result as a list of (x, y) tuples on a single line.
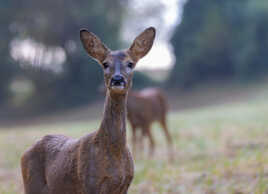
[(217, 150)]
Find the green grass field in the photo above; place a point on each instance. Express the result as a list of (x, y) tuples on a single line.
[(219, 149)]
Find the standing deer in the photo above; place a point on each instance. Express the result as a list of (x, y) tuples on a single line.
[(144, 107), (100, 162)]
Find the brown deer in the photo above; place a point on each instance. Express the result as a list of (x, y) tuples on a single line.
[(100, 162), (144, 107)]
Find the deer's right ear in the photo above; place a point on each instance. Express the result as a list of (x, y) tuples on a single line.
[(93, 45)]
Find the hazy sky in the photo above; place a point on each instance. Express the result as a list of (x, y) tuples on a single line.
[(142, 15)]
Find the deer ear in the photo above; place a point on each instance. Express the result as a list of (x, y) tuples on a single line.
[(142, 44), (93, 45)]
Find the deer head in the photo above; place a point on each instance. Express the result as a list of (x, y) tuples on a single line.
[(118, 65)]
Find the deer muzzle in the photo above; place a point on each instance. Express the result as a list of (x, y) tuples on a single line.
[(118, 82)]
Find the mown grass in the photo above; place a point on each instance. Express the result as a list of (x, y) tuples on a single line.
[(220, 149)]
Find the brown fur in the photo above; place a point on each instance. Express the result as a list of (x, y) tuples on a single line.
[(100, 162), (144, 107)]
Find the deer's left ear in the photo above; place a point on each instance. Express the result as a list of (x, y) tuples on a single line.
[(142, 44)]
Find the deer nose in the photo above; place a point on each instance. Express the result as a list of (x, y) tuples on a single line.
[(117, 80)]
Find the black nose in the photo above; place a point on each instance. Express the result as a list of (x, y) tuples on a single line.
[(117, 80)]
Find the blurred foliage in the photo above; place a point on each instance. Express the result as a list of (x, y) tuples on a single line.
[(141, 80), (223, 39), (55, 24)]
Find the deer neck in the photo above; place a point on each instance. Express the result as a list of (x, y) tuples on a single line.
[(113, 126)]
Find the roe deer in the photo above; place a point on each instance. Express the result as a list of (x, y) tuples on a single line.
[(100, 162), (144, 107)]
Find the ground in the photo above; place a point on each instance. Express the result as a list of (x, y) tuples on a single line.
[(220, 149)]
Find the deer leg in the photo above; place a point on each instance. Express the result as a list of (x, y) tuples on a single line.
[(33, 175), (141, 142), (163, 123), (127, 182), (149, 134), (107, 188), (126, 186)]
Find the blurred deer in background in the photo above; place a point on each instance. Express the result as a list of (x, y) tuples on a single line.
[(100, 162), (144, 107)]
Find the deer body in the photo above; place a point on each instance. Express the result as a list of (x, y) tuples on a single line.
[(100, 162), (70, 166), (144, 108)]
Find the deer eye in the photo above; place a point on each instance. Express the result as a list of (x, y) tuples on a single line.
[(105, 65), (130, 65)]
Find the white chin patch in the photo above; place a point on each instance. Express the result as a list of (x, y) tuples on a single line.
[(118, 88)]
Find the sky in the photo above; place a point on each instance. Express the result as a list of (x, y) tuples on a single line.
[(161, 55)]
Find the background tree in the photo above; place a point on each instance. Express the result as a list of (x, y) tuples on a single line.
[(221, 39), (52, 26)]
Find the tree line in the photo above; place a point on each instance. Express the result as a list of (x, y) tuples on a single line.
[(222, 39)]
